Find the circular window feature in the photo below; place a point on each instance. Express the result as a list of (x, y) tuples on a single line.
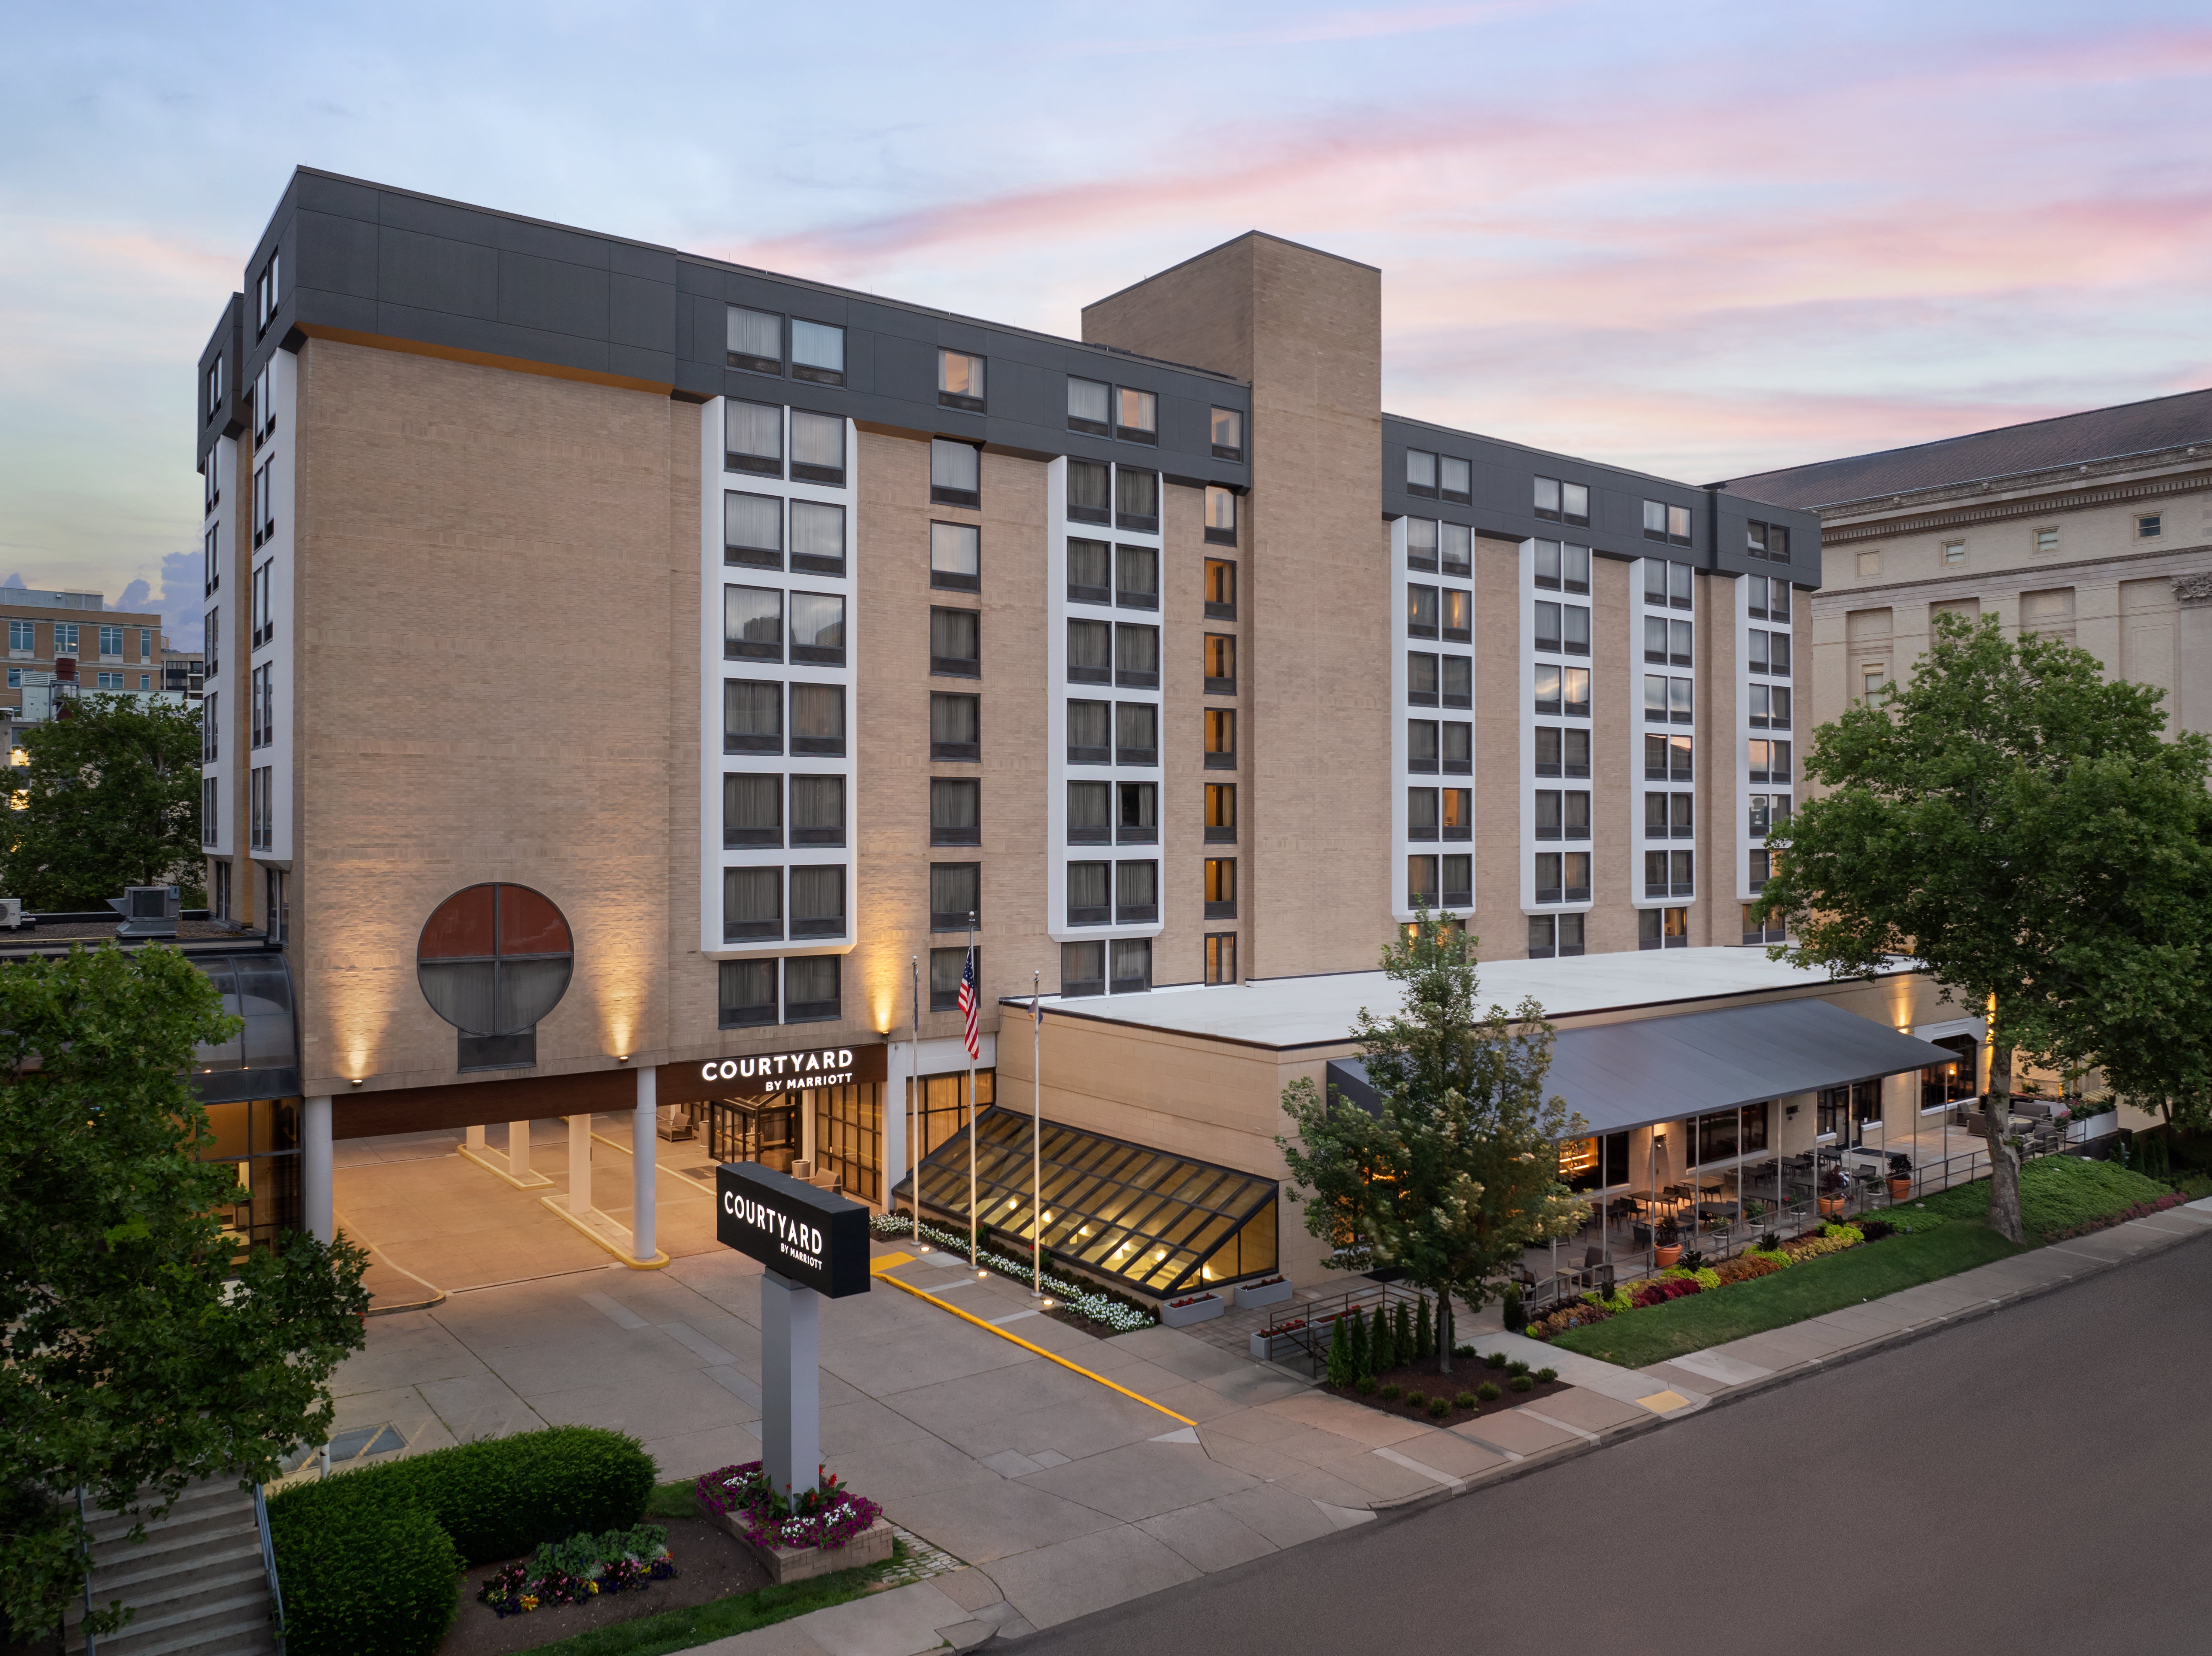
[(494, 959)]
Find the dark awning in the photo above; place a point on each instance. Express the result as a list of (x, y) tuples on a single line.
[(1630, 1075)]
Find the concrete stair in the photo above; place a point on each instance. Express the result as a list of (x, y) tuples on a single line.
[(195, 1580)]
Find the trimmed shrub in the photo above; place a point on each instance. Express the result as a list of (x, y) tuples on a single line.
[(364, 1574), (1381, 1345), (1516, 1369), (1488, 1391), (1342, 1371), (1365, 1385), (1464, 1400), (1392, 1393), (1521, 1383), (1438, 1407), (1516, 1318), (1495, 1360), (1417, 1399), (1362, 1349), (502, 1497), (1545, 1376), (1401, 1333)]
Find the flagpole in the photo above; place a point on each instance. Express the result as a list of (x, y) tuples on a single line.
[(1036, 1135), (913, 1103), (975, 988)]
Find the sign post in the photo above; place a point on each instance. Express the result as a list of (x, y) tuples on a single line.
[(814, 1245)]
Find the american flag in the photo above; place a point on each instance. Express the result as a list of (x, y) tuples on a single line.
[(968, 1006)]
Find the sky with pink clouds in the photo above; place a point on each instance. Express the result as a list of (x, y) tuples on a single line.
[(1700, 239)]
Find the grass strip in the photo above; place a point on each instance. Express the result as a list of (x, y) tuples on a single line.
[(697, 1624), (676, 1499), (1636, 1340)]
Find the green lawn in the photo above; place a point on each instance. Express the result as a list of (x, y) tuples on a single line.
[(1636, 1338)]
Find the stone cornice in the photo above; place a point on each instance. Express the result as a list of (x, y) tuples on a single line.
[(1918, 514), (2194, 570)]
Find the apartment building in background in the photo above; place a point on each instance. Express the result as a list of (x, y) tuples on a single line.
[(2095, 528), (74, 637), (1158, 661)]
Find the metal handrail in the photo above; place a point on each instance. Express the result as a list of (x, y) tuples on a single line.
[(269, 1564)]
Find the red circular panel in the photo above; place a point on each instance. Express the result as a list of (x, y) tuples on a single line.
[(459, 928), (530, 925)]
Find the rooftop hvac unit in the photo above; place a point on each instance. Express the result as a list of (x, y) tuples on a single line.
[(148, 911), (11, 913)]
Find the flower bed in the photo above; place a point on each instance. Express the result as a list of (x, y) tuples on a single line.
[(2140, 1210), (582, 1568), (826, 1517), (1120, 1315), (1677, 1283)]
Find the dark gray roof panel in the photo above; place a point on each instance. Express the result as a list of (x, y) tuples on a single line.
[(2161, 423)]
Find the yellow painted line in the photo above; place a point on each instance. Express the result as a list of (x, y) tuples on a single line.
[(989, 1328), (559, 1207), (889, 1262), (1664, 1403), (536, 1181)]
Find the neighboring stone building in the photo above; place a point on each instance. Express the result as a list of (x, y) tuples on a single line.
[(2094, 527)]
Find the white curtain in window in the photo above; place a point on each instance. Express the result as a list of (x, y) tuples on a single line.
[(755, 333), (753, 522), (818, 440), (753, 428)]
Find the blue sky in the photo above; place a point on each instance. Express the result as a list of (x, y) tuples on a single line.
[(1702, 238)]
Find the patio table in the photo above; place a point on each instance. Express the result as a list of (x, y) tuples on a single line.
[(1716, 1209)]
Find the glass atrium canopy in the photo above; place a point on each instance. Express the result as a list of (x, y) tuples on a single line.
[(1157, 1223)]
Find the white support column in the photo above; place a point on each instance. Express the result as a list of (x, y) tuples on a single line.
[(644, 1139), (895, 1119), (579, 1166), (791, 1384), (315, 1186), (475, 1138), (517, 1150)]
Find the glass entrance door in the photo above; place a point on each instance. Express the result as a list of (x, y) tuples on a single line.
[(753, 1130)]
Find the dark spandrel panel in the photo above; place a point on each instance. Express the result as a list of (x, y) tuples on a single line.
[(640, 313), (436, 273), (551, 294), (337, 255), (312, 192)]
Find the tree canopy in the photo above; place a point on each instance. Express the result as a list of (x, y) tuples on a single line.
[(111, 798), (2017, 823), (138, 1350), (1456, 1171)]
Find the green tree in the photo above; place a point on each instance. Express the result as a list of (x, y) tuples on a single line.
[(110, 798), (1342, 1367), (138, 1350), (2016, 822), (1457, 1171)]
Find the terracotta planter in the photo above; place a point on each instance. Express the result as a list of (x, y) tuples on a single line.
[(1832, 1207), (785, 1564), (1900, 1189), (1664, 1257)]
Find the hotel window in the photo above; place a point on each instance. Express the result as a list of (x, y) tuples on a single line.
[(1873, 684), (265, 623), (1420, 473), (261, 803), (1458, 880), (214, 393), (1421, 814), (109, 680), (819, 901), (1770, 652), (1137, 816), (1458, 813), (752, 716), (1455, 548), (264, 405), (1228, 433), (210, 719), (1563, 876), (1090, 492), (1562, 568), (1667, 815), (2046, 540), (1666, 642), (1136, 656), (1090, 572), (752, 904), (1562, 627), (1665, 758), (1762, 866), (817, 810), (1423, 884), (819, 628), (1667, 700), (1458, 676), (1220, 957), (956, 894), (1220, 738), (1421, 611), (1670, 874), (817, 352), (1089, 407), (1768, 540), (1770, 761), (212, 572), (1768, 812), (1547, 687), (1561, 815), (1220, 515), (1662, 928), (2149, 526), (1082, 970), (1221, 813), (1454, 479), (1575, 691), (1131, 964), (752, 437), (1136, 416), (960, 381), (1090, 899), (1953, 552), (956, 559), (1458, 749), (753, 623), (264, 502), (1420, 678), (210, 803), (1770, 707), (1137, 577), (1221, 888), (210, 484), (65, 638), (818, 719), (1421, 544), (747, 994), (1220, 664), (1137, 500), (1670, 523), (1459, 618), (948, 968), (956, 472), (1559, 502), (752, 530), (1668, 583), (1089, 814), (110, 644), (1136, 733), (956, 643), (1421, 746), (1547, 813), (954, 810), (810, 989), (263, 711), (752, 810), (1766, 599), (1089, 733), (817, 448), (145, 644), (755, 340), (1220, 589), (266, 294), (817, 537), (955, 723)]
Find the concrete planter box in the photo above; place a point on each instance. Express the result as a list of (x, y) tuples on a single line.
[(1249, 1295), (2082, 1130), (1204, 1308), (787, 1564)]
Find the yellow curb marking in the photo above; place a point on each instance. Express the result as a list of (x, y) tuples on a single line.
[(880, 1270), (889, 1262), (1664, 1403), (559, 1207), (536, 1181)]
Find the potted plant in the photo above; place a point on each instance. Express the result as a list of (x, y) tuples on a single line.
[(1831, 1194), (1268, 1290), (1192, 1308), (1666, 1243), (822, 1530), (1901, 1177)]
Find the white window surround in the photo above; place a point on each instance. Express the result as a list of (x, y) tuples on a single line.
[(1525, 660), (232, 734), (714, 575), (1401, 777), (275, 553), (1742, 736), (1710, 836), (1058, 774)]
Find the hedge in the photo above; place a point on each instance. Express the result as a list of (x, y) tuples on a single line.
[(384, 1545)]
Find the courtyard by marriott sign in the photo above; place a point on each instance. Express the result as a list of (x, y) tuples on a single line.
[(805, 1235), (754, 1075)]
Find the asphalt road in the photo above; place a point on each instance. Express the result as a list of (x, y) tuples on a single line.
[(2038, 1481)]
